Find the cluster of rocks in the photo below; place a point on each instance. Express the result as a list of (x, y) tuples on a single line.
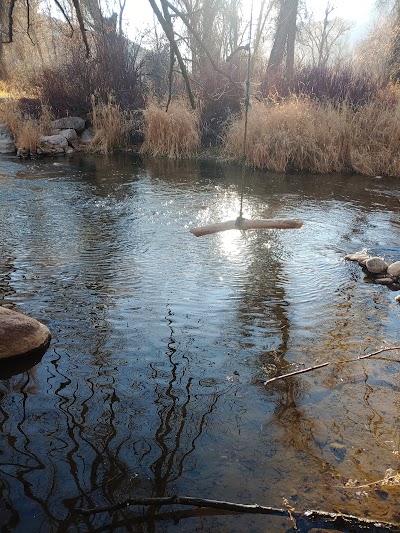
[(69, 135), (378, 270)]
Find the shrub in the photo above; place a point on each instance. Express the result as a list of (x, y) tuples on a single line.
[(220, 99), (112, 68), (173, 133), (328, 84)]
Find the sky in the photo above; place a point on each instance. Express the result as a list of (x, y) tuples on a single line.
[(359, 11), (138, 13)]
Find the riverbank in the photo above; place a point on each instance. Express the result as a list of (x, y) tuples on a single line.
[(295, 134)]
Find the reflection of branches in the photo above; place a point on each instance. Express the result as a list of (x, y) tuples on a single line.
[(163, 467), (29, 464)]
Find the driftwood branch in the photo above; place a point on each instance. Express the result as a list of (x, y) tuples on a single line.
[(244, 224), (322, 365), (329, 520)]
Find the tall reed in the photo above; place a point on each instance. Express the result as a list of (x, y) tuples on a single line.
[(111, 124), (301, 134), (173, 133), (295, 133), (375, 140), (25, 129)]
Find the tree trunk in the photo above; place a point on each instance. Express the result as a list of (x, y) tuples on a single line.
[(291, 36), (284, 41), (394, 57)]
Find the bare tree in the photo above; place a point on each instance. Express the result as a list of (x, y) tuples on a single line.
[(323, 41), (393, 62), (376, 44), (210, 30)]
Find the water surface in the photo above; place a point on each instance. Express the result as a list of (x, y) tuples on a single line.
[(154, 381)]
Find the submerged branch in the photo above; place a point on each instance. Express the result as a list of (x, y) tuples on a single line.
[(316, 367), (337, 520)]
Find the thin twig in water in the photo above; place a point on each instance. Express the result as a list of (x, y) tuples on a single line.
[(316, 367), (339, 520)]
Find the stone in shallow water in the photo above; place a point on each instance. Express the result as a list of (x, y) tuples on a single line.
[(360, 257), (21, 335), (375, 265), (384, 281), (394, 269)]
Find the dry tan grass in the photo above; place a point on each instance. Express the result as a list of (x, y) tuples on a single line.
[(111, 125), (173, 134), (375, 139), (27, 137), (296, 133), (11, 115), (304, 135), (13, 89), (26, 130), (45, 120)]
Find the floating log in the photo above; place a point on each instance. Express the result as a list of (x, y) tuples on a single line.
[(245, 224)]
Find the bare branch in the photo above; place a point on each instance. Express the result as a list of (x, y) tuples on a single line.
[(28, 20), (195, 34), (338, 520), (322, 365), (60, 7), (10, 20), (169, 32)]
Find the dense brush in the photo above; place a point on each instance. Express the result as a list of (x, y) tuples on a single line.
[(302, 134)]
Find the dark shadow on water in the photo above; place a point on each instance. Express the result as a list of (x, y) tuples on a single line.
[(21, 363)]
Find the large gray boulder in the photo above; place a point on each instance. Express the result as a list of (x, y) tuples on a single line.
[(21, 335), (7, 144), (70, 134), (53, 144), (87, 136), (376, 265), (66, 123)]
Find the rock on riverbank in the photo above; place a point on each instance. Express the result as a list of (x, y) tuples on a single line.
[(69, 135), (21, 335)]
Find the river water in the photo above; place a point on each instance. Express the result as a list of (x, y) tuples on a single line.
[(154, 382)]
